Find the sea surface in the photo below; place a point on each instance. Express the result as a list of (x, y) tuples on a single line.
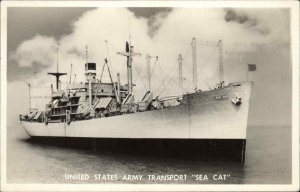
[(268, 161)]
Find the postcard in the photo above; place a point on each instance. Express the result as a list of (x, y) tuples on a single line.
[(149, 96)]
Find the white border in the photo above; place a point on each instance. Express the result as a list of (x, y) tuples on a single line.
[(293, 5)]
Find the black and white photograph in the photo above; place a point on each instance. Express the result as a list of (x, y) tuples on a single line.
[(149, 96)]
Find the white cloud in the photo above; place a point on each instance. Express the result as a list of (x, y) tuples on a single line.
[(172, 38), (39, 50)]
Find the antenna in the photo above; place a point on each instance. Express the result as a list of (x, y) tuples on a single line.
[(129, 31), (57, 50)]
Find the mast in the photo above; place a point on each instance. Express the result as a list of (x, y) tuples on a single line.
[(194, 63), (57, 50), (221, 72), (180, 70), (57, 74), (129, 54)]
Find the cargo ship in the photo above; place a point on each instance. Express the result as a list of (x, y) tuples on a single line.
[(216, 119)]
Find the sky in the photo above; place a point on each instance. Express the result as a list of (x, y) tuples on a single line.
[(256, 36)]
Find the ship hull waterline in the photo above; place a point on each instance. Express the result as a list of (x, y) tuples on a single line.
[(232, 150)]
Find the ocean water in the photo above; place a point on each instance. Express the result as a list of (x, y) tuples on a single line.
[(268, 161)]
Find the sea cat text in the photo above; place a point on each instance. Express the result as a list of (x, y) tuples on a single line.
[(149, 177)]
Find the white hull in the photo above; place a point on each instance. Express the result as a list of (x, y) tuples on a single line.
[(200, 116)]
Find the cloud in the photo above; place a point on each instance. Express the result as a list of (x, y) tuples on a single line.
[(40, 50), (166, 34), (155, 22), (233, 16), (243, 18), (262, 21)]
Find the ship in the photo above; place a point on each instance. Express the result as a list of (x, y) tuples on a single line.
[(216, 119)]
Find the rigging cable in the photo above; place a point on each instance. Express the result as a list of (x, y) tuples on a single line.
[(162, 89), (169, 83), (156, 61), (139, 75), (209, 57), (109, 59), (163, 82), (100, 80), (115, 49), (204, 63), (102, 72), (113, 46)]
